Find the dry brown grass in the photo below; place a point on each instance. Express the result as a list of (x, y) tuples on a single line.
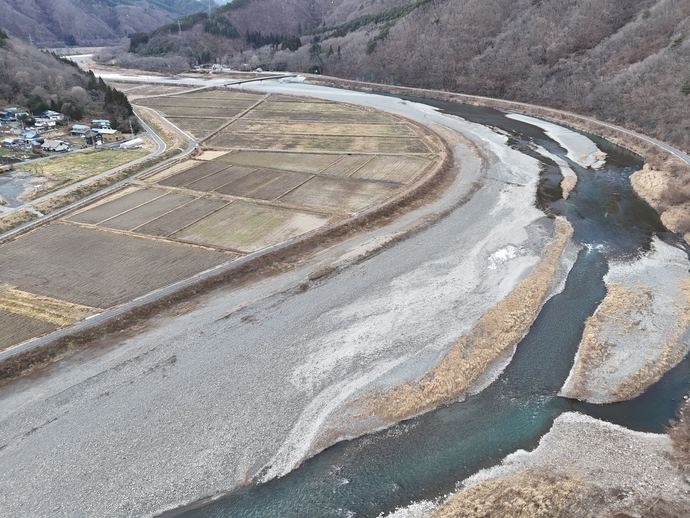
[(493, 335), (670, 355), (15, 219), (54, 311), (625, 306), (524, 495), (680, 437)]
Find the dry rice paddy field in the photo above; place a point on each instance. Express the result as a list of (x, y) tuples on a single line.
[(268, 169)]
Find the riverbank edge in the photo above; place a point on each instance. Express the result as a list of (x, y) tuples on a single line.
[(661, 166), (614, 469), (62, 343)]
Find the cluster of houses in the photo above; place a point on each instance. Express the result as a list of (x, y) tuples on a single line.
[(98, 133)]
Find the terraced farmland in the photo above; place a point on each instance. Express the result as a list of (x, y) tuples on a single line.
[(267, 169)]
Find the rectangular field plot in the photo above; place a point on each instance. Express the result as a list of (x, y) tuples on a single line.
[(114, 206), (316, 115), (401, 169), (306, 162), (248, 227), (180, 218), (285, 98), (193, 174), (15, 329), (228, 140), (219, 95), (187, 102), (340, 194), (155, 90), (197, 127), (145, 213), (347, 165), (299, 106), (207, 111), (264, 184), (217, 180), (98, 268), (324, 128)]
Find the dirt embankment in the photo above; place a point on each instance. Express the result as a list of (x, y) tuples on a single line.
[(662, 183)]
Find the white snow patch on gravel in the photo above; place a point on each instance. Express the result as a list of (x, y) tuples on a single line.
[(580, 149)]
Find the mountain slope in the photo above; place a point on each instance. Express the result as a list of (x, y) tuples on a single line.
[(89, 22)]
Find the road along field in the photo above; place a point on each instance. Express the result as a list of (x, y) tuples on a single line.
[(253, 183)]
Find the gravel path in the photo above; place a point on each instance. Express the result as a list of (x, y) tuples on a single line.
[(198, 404)]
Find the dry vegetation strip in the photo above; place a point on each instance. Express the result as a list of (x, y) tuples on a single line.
[(496, 332), (625, 307), (523, 495), (48, 309)]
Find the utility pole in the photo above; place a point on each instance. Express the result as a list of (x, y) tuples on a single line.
[(179, 27), (131, 131), (31, 40)]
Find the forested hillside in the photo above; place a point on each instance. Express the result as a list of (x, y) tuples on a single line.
[(39, 81), (55, 23), (626, 62)]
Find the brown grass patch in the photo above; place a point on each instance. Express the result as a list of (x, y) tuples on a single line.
[(323, 128), (248, 227), (401, 169), (625, 306), (197, 127), (54, 311), (228, 140), (15, 219), (496, 332), (523, 495)]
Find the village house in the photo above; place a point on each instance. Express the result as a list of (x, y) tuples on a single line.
[(80, 130), (101, 123), (110, 135)]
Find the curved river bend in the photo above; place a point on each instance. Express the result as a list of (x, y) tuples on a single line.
[(425, 457)]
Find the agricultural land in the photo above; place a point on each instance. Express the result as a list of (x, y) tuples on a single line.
[(267, 169)]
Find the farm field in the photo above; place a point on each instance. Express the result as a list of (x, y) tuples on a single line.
[(283, 169), (63, 170)]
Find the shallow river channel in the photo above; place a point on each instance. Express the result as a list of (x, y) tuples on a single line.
[(424, 458)]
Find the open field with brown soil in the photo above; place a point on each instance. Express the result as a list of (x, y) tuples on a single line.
[(340, 194), (97, 268), (248, 227), (198, 127), (228, 139), (15, 328), (306, 162), (323, 128)]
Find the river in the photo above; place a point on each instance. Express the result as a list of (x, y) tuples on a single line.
[(424, 458)]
